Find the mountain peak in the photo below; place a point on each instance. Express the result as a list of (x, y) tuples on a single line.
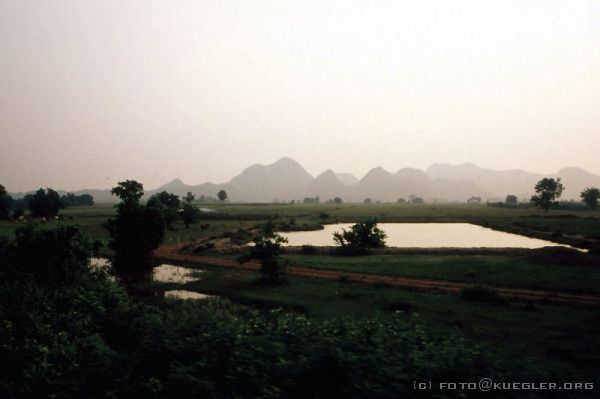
[(377, 173), (287, 161)]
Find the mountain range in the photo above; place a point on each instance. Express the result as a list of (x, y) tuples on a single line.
[(287, 180)]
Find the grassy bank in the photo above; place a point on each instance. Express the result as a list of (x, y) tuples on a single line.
[(556, 340)]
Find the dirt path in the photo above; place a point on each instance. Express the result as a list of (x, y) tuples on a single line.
[(169, 253)]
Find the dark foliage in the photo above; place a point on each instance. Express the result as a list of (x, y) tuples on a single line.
[(267, 249), (167, 205), (69, 331), (44, 203), (189, 212), (590, 197), (136, 231), (6, 204), (547, 191), (222, 195), (76, 200), (360, 237)]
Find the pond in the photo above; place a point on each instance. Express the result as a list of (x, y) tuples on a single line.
[(175, 274), (184, 294), (426, 235)]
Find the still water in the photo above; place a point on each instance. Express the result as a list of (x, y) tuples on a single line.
[(426, 235), (175, 274), (184, 294)]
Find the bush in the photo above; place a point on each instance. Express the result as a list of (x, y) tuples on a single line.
[(360, 237)]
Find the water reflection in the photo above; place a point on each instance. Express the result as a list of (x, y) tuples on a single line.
[(174, 274), (183, 294), (100, 263), (426, 235)]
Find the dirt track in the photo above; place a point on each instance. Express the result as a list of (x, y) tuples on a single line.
[(169, 253)]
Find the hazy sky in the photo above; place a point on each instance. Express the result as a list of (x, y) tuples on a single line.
[(93, 92)]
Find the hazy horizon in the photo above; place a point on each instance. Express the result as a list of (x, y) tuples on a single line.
[(92, 93)]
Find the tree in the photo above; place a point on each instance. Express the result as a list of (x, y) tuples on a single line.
[(474, 200), (368, 200), (511, 200), (401, 201), (129, 191), (338, 200), (590, 196), (189, 212), (360, 237), (222, 195), (76, 200), (413, 199), (547, 191), (136, 231), (266, 249), (167, 205), (6, 203), (44, 203)]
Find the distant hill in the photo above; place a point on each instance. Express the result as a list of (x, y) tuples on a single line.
[(347, 178), (286, 180), (327, 186)]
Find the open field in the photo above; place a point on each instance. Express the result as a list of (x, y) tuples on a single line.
[(575, 227)]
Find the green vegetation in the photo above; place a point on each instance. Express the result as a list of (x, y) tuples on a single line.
[(537, 340), (189, 212), (222, 195), (540, 269), (6, 203), (45, 203), (87, 336), (547, 191), (70, 331), (136, 231), (360, 237), (590, 197), (266, 249), (76, 200), (167, 205)]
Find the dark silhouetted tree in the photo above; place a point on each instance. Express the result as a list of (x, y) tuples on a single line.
[(413, 199), (6, 203), (222, 195), (76, 200), (511, 200), (266, 250), (360, 237), (44, 203), (338, 200), (590, 196), (136, 231), (167, 205), (189, 212), (547, 191)]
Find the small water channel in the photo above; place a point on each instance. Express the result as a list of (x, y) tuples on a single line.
[(426, 235)]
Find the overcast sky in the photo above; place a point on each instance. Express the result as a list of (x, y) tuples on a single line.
[(94, 92)]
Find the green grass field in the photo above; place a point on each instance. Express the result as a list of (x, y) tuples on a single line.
[(541, 272), (560, 340)]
